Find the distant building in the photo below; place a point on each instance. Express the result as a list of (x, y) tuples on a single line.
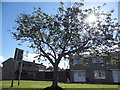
[(11, 68)]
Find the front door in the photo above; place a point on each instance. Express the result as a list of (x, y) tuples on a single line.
[(116, 76), (79, 76)]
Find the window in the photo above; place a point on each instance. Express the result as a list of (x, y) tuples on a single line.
[(96, 60), (77, 61), (81, 74), (99, 74)]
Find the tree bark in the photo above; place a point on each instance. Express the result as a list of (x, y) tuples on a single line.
[(55, 76)]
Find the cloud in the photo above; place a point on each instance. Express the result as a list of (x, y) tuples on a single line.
[(1, 58), (31, 56)]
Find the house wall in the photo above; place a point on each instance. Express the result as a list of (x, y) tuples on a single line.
[(11, 68), (8, 69), (90, 76), (31, 66), (90, 67), (45, 76)]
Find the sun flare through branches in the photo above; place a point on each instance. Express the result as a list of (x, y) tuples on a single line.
[(91, 19)]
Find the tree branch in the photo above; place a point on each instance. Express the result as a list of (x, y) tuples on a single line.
[(44, 53), (78, 49), (50, 48)]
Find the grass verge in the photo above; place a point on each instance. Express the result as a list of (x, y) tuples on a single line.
[(39, 85)]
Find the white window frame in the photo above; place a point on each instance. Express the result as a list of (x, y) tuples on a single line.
[(99, 74), (96, 60)]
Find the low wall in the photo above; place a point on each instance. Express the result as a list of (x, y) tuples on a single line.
[(45, 76)]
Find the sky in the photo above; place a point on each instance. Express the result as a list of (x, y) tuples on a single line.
[(10, 11)]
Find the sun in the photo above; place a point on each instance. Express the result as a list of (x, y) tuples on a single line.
[(91, 18)]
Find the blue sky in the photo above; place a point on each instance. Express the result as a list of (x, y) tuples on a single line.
[(10, 10)]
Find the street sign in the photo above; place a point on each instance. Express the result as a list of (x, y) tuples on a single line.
[(18, 54)]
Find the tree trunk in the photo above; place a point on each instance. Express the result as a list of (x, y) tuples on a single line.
[(55, 76)]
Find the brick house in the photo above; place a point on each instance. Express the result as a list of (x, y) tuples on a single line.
[(30, 71), (92, 69), (96, 70), (11, 67)]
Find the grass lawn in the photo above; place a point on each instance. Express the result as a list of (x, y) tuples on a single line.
[(38, 85)]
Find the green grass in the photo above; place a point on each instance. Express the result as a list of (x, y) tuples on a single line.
[(43, 84)]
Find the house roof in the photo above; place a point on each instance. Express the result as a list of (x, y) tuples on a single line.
[(8, 60), (33, 62), (113, 51), (23, 61)]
